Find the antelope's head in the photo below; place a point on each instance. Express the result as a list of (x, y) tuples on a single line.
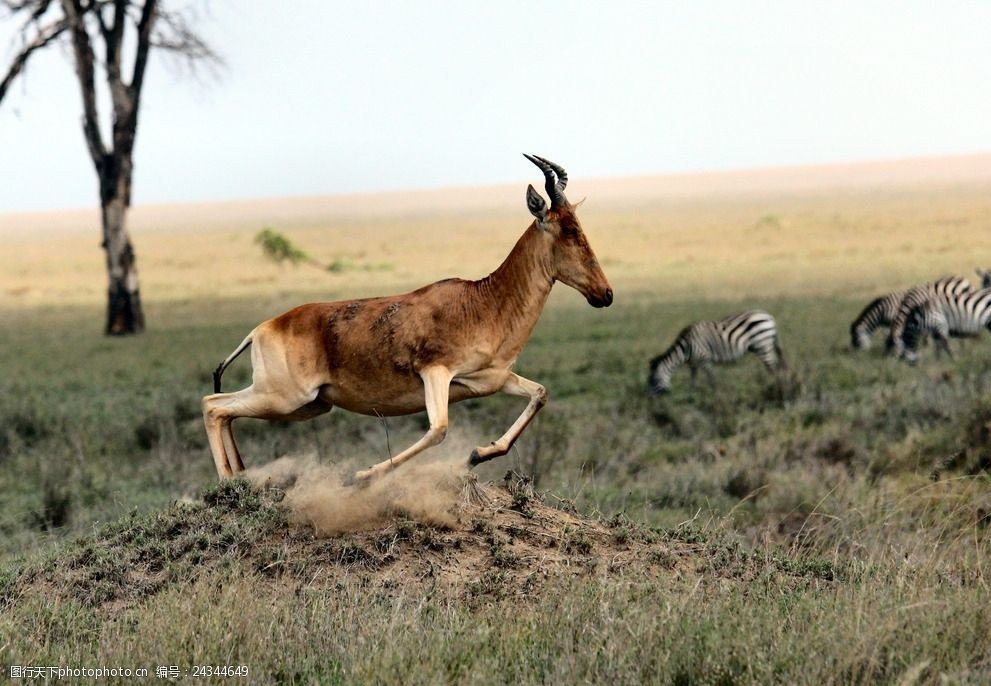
[(572, 259)]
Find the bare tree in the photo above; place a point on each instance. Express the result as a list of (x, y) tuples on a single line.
[(96, 32)]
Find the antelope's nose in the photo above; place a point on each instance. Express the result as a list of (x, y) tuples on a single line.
[(603, 299)]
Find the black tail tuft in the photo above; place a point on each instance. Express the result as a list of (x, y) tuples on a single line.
[(217, 373)]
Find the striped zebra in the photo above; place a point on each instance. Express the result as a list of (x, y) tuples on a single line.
[(704, 343), (946, 287), (878, 314), (960, 316)]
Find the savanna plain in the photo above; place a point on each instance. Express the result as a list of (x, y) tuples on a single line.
[(832, 529)]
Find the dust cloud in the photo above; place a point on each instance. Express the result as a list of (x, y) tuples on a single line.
[(322, 495)]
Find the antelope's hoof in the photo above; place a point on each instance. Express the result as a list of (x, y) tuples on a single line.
[(362, 478), (474, 459)]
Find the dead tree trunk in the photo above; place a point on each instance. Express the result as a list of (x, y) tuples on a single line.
[(124, 313), (114, 163), (84, 23)]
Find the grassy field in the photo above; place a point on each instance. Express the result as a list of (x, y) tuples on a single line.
[(836, 534)]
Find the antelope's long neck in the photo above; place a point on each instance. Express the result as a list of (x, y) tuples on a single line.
[(515, 293)]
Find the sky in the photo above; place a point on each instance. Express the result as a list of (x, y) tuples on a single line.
[(321, 97)]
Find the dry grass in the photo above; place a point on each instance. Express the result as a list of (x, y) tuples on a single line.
[(839, 535), (815, 231)]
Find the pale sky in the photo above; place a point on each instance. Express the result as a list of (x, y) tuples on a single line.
[(333, 97)]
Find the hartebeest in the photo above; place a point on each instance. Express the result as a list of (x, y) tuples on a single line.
[(401, 354)]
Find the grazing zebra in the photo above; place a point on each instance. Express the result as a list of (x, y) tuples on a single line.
[(916, 297), (706, 342), (879, 313), (960, 316)]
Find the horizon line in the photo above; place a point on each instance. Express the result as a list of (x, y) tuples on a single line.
[(413, 190)]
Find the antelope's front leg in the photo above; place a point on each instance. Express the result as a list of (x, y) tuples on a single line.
[(436, 390), (515, 385)]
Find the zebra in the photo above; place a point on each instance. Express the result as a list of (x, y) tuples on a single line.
[(985, 277), (960, 316), (879, 313), (726, 340), (916, 297)]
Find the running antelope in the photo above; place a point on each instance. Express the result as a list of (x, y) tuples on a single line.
[(401, 354)]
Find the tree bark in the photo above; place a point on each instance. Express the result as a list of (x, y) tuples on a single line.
[(124, 312)]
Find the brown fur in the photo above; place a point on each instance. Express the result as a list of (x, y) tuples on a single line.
[(401, 354)]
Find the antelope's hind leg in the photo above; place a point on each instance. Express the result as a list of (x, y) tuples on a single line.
[(230, 445), (220, 409), (213, 420)]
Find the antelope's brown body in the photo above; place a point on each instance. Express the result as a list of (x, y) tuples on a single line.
[(394, 355)]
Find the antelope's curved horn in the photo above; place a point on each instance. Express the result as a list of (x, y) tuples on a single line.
[(562, 176), (554, 186)]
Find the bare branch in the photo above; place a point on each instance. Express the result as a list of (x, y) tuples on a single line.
[(15, 6), (113, 36), (175, 35), (46, 35), (40, 9), (83, 51), (145, 23), (104, 28)]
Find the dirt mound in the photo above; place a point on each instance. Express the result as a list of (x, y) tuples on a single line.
[(492, 540)]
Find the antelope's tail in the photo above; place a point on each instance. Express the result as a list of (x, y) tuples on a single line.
[(219, 371)]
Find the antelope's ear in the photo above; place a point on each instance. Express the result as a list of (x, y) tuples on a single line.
[(536, 205)]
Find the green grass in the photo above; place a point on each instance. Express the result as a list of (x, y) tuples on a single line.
[(841, 533)]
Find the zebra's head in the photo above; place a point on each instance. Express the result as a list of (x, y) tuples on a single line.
[(659, 379), (859, 338)]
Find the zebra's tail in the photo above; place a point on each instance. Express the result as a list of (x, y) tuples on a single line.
[(782, 363)]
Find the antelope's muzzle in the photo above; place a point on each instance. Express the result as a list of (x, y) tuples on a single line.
[(603, 299)]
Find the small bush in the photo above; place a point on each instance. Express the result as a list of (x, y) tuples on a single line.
[(278, 248)]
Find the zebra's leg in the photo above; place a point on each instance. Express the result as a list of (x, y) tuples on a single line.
[(774, 362), (695, 373), (941, 336), (942, 345), (782, 364), (891, 345), (769, 354), (710, 377)]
